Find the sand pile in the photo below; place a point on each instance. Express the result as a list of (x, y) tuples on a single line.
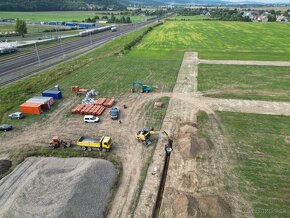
[(57, 187), (189, 144)]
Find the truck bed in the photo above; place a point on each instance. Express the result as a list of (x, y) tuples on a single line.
[(88, 139)]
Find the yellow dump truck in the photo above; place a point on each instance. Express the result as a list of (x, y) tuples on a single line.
[(102, 143)]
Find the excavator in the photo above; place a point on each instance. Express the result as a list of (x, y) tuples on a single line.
[(145, 88), (145, 135)]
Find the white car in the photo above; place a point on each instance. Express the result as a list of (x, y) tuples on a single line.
[(16, 115), (91, 119)]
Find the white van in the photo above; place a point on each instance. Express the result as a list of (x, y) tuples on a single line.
[(91, 119)]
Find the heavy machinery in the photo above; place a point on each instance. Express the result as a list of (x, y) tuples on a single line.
[(145, 135), (57, 142), (102, 143), (144, 88)]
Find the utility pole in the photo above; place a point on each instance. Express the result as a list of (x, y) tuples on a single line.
[(36, 50), (91, 39), (59, 40)]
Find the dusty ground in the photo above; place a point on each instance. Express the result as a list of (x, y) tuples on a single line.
[(39, 187), (190, 184)]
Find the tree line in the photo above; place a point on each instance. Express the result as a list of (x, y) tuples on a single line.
[(59, 5), (111, 19)]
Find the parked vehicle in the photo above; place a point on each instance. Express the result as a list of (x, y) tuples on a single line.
[(91, 119), (102, 143), (5, 127), (114, 29), (16, 115), (115, 113), (57, 142)]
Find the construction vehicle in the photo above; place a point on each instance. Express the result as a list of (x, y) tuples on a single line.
[(144, 88), (102, 143), (57, 142), (145, 135)]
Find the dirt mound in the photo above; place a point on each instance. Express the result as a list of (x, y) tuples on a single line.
[(205, 206), (56, 187), (189, 144)]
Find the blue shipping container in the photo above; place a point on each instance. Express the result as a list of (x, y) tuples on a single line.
[(52, 93)]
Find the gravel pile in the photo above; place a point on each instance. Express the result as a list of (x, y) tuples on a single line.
[(57, 187)]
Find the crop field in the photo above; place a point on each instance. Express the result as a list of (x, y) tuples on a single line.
[(262, 161), (67, 16), (223, 40), (245, 82)]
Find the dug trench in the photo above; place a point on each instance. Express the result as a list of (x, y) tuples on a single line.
[(182, 194)]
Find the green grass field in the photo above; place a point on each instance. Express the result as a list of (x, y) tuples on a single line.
[(223, 40), (263, 160), (66, 16), (245, 82), (31, 29)]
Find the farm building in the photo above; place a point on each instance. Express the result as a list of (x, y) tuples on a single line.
[(31, 108), (55, 94)]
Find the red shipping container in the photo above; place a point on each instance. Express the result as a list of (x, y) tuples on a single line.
[(30, 108)]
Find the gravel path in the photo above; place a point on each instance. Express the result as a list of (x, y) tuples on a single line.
[(236, 62), (56, 187)]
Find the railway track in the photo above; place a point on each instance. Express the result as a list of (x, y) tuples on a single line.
[(25, 63)]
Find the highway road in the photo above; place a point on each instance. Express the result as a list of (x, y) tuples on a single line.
[(33, 59)]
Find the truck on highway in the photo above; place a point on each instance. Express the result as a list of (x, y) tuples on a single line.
[(102, 143)]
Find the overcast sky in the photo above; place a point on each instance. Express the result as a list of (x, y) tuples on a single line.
[(263, 1)]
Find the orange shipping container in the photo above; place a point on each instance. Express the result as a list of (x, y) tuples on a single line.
[(30, 108)]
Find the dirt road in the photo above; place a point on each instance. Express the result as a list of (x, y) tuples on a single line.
[(235, 62)]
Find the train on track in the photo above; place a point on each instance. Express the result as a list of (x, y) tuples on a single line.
[(7, 48), (97, 30)]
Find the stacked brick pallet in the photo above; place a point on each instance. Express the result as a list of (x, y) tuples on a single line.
[(96, 109), (83, 109)]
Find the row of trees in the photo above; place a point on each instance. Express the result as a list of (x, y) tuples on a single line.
[(111, 19), (228, 15), (59, 5)]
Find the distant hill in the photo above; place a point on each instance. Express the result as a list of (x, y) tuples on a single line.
[(58, 5)]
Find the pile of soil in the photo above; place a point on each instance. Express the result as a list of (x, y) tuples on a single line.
[(189, 144), (57, 187), (205, 206)]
